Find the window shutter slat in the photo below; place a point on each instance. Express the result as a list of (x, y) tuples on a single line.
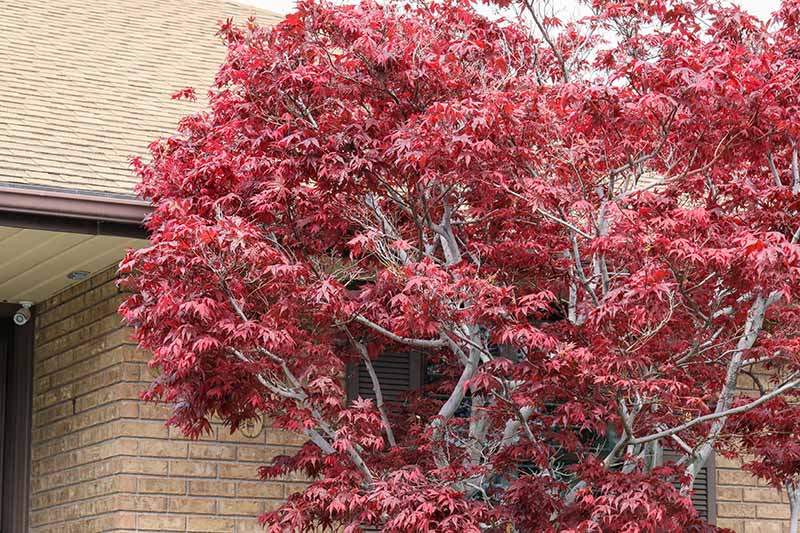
[(397, 374), (704, 496), (394, 375)]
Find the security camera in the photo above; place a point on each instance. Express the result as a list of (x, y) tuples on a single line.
[(23, 314)]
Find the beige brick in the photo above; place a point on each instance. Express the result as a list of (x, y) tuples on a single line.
[(724, 462), (291, 488), (772, 510), (212, 451), (284, 438), (161, 522), (164, 448), (729, 494), (735, 477), (209, 524), (260, 489), (192, 469), (144, 428), (155, 411), (238, 471), (151, 504), (745, 382), (212, 488), (160, 485), (248, 525), (240, 507), (177, 434), (761, 495), (147, 466), (259, 454), (736, 510), (123, 520), (737, 526), (192, 505), (759, 526)]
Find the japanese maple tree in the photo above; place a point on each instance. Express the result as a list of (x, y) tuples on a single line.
[(588, 227)]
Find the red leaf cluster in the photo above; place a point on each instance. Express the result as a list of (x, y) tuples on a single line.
[(588, 229)]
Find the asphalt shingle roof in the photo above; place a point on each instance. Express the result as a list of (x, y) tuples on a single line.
[(85, 84)]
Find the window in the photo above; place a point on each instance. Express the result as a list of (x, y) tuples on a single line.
[(400, 372)]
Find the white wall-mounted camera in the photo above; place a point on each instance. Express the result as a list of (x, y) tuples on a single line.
[(23, 314)]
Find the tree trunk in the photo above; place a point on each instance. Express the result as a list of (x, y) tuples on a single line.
[(794, 505)]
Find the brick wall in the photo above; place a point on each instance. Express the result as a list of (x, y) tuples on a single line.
[(103, 461), (744, 503), (747, 505)]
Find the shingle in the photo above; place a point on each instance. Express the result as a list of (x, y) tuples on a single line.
[(85, 85)]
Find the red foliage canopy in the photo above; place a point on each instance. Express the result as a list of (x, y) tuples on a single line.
[(588, 227)]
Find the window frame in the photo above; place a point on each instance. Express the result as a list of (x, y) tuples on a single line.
[(16, 475)]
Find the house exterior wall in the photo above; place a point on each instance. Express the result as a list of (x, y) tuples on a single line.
[(104, 461), (747, 505), (744, 503)]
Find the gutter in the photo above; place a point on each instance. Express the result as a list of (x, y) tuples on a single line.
[(90, 213), (58, 203)]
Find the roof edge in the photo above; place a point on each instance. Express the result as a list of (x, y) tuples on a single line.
[(126, 210)]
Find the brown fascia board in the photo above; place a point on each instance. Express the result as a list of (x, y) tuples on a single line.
[(102, 208), (73, 212)]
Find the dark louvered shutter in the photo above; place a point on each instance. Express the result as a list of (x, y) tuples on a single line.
[(704, 498), (397, 374)]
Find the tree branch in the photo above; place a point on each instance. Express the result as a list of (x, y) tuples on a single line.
[(721, 415), (752, 328), (315, 436), (376, 387), (775, 176), (550, 43), (417, 343)]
